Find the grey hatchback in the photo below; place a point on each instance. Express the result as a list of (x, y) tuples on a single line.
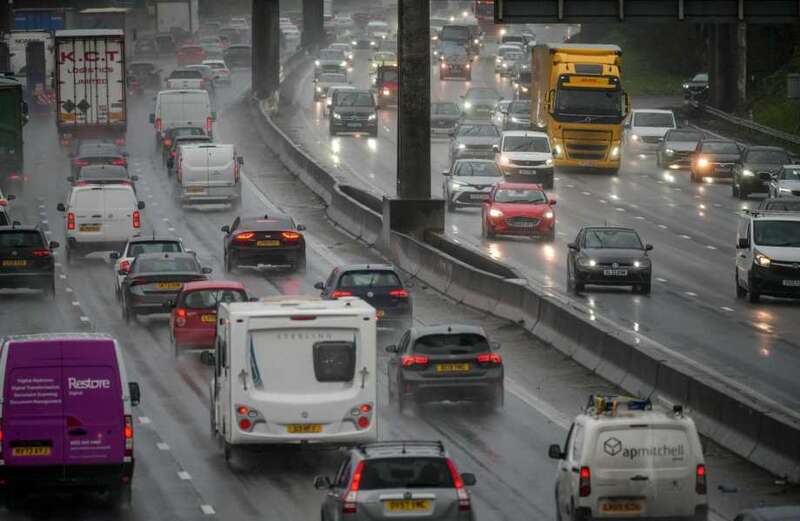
[(397, 480)]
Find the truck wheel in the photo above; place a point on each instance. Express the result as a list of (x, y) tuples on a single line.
[(740, 291)]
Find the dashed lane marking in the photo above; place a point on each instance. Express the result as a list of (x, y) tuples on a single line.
[(710, 247), (726, 308), (62, 276), (144, 420), (690, 293), (687, 237), (208, 510), (544, 408), (84, 319), (162, 446), (184, 475), (76, 303), (662, 280)]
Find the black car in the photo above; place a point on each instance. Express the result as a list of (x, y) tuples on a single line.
[(455, 63), (238, 56), (445, 116), (155, 279), (696, 88), (26, 259), (147, 75), (755, 171), (98, 154), (523, 79), (676, 149), (272, 240), (449, 362), (353, 110), (608, 256), (378, 284), (714, 158), (171, 135), (103, 174)]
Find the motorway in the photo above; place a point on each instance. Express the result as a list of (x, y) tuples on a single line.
[(693, 309)]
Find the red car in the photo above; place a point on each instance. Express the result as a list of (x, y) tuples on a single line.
[(518, 209), (193, 321), (190, 55)]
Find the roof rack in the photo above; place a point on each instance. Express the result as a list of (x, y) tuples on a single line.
[(402, 444), (610, 404)]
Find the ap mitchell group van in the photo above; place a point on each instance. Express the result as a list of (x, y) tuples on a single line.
[(65, 415)]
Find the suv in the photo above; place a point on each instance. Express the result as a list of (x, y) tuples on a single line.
[(26, 259), (391, 479), (768, 255), (137, 246), (622, 459), (759, 165), (353, 111)]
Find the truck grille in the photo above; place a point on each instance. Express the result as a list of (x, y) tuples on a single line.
[(586, 151)]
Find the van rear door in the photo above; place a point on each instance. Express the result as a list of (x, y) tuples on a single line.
[(33, 418), (119, 206), (88, 207), (93, 410), (220, 166)]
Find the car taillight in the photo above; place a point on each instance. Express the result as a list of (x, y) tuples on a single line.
[(244, 236), (291, 236), (172, 154), (124, 266), (3, 202), (236, 173), (386, 92), (158, 123), (168, 142), (585, 482), (137, 219), (490, 358), (341, 293), (414, 360), (70, 221), (128, 433), (119, 141), (80, 162), (398, 293), (349, 503), (180, 317), (464, 503), (700, 485), (41, 252), (209, 122), (119, 162)]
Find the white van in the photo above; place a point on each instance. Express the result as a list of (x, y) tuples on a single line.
[(295, 370), (208, 173), (100, 218), (182, 108), (622, 459)]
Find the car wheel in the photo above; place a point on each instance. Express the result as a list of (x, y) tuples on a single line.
[(400, 400), (659, 163), (551, 235), (374, 133), (227, 451), (126, 314), (549, 183), (740, 291), (558, 505), (498, 397), (693, 178), (734, 189), (52, 290), (451, 206)]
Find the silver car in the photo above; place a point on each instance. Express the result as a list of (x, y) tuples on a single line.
[(786, 183), (474, 140), (397, 480), (469, 182)]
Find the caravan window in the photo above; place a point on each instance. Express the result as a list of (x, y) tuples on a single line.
[(334, 361)]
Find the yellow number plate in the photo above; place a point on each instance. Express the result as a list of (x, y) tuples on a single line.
[(196, 189), (169, 285), (407, 505), (90, 227), (452, 368), (208, 318), (31, 451), (304, 428), (268, 243), (13, 263), (621, 507)]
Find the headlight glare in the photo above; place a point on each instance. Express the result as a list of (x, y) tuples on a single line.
[(495, 213)]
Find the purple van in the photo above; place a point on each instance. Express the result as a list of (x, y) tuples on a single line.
[(65, 414)]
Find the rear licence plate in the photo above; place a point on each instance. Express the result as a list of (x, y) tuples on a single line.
[(452, 368), (304, 428), (90, 227), (790, 283), (14, 263), (208, 318), (615, 273), (526, 172), (31, 451), (621, 507), (196, 189), (266, 244), (407, 505), (169, 285)]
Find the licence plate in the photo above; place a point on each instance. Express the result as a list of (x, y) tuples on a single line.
[(265, 244), (90, 227), (169, 285), (452, 368), (13, 263), (621, 507), (31, 451), (304, 428), (790, 283), (208, 318), (196, 189), (526, 172), (354, 125), (615, 273), (407, 505), (479, 197)]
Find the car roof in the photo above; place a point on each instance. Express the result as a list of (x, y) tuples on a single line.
[(212, 284), (775, 215), (520, 186), (95, 168), (620, 228), (766, 147), (167, 255), (86, 149), (400, 448), (447, 329), (523, 133), (365, 267), (474, 160), (717, 140), (270, 221)]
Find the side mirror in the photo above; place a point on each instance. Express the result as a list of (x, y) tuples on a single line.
[(496, 149), (253, 299), (226, 229), (114, 255), (446, 173), (648, 247), (135, 392), (240, 160), (61, 207), (53, 245), (552, 202), (207, 270), (555, 452), (319, 285), (70, 179), (391, 349), (322, 483), (743, 243), (468, 479), (301, 227), (125, 154), (573, 246), (140, 205), (25, 108), (152, 119), (134, 178)]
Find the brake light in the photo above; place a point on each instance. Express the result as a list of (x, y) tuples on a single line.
[(119, 141), (172, 154), (128, 433), (119, 162), (398, 293), (303, 317), (585, 482), (341, 293), (386, 92), (350, 505), (700, 485), (41, 252), (490, 358), (236, 172), (464, 503), (244, 236), (3, 202), (291, 236), (137, 219), (245, 424), (363, 422), (158, 123), (209, 122), (180, 317), (414, 360), (80, 162), (70, 221), (15, 176), (124, 266), (168, 142)]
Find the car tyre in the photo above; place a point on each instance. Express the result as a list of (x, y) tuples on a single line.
[(734, 189), (126, 312), (228, 263), (740, 291), (644, 289), (498, 398), (693, 177), (121, 497), (451, 206), (659, 163), (551, 235)]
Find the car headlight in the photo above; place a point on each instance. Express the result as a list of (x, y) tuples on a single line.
[(747, 173), (462, 146), (467, 105), (669, 151), (549, 214), (455, 185), (514, 119), (702, 163), (642, 263), (476, 41), (373, 43), (319, 89), (495, 213), (524, 89), (548, 161), (557, 150), (337, 116), (498, 60), (634, 137), (587, 262), (505, 161), (762, 260), (614, 152), (502, 32), (354, 42), (343, 64), (350, 56), (371, 117), (316, 63), (505, 66), (685, 85)]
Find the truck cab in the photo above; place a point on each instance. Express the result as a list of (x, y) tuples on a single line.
[(386, 82)]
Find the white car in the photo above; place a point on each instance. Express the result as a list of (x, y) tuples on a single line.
[(502, 50), (786, 183), (646, 128), (469, 182), (326, 80), (221, 72), (622, 459), (136, 246), (525, 156)]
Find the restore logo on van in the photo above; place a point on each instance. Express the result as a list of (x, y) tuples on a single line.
[(613, 447), (88, 383)]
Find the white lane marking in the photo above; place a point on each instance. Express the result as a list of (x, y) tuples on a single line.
[(165, 219), (76, 303), (603, 201), (684, 236), (162, 446), (570, 186), (661, 280), (726, 308), (620, 209), (544, 408), (640, 217), (144, 420), (45, 221), (68, 290), (690, 293), (710, 247), (662, 226), (62, 276), (586, 193), (84, 319), (184, 475), (208, 510), (171, 229), (57, 264)]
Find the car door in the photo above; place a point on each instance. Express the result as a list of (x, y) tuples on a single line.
[(330, 504), (563, 478), (744, 256)]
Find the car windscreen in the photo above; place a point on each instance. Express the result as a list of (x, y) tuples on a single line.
[(606, 238), (95, 150), (483, 94), (641, 447), (477, 169), (777, 233), (211, 298), (519, 107), (512, 56), (790, 174), (520, 196), (454, 32), (332, 78), (186, 74), (369, 279), (525, 144), (686, 136), (445, 109), (138, 248), (700, 77), (653, 119), (451, 344), (717, 147), (405, 473), (20, 239), (389, 75), (186, 131), (478, 131), (771, 157), (88, 173), (354, 99), (166, 265), (331, 54)]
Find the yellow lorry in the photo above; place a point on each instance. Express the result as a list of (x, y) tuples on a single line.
[(577, 95)]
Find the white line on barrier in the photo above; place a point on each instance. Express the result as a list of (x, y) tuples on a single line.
[(690, 293), (726, 308), (544, 408), (208, 510)]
